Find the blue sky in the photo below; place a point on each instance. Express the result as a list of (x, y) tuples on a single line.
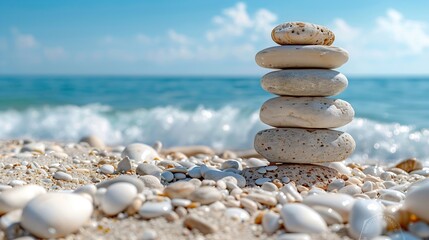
[(194, 37)]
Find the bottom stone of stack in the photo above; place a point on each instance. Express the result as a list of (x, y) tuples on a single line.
[(301, 145), (302, 174)]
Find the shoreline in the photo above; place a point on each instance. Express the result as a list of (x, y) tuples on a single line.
[(229, 216)]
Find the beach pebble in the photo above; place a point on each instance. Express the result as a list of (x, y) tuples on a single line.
[(167, 176), (249, 205), (199, 223), (263, 199), (155, 209), (300, 218), (123, 178), (340, 167), (302, 33), (391, 195), (180, 202), (152, 182), (93, 141), (10, 218), (302, 56), (107, 169), (18, 197), (409, 165), (417, 198), (295, 145), (206, 195), (117, 198), (290, 189), (237, 214), (306, 112), (336, 184), (216, 175), (294, 236), (194, 172), (140, 152), (270, 187), (179, 176), (375, 171), (231, 164), (328, 214), (89, 189), (341, 203), (255, 162), (149, 234), (270, 222), (59, 175), (350, 190), (179, 189), (34, 147), (420, 229), (54, 215), (261, 181), (304, 82), (148, 169), (366, 219), (124, 165)]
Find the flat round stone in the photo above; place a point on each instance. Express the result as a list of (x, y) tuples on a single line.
[(306, 112), (302, 174), (302, 33), (304, 82), (297, 145), (302, 56)]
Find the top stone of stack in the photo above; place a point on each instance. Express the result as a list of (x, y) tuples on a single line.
[(301, 33)]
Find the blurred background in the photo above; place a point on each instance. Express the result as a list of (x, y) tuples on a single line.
[(183, 72)]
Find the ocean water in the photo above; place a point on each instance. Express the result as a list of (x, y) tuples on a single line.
[(392, 114)]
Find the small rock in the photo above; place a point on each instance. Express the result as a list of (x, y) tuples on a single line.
[(34, 147), (417, 199), (263, 199), (271, 222), (179, 176), (196, 222), (124, 165), (149, 234), (206, 195), (179, 189), (167, 176), (155, 209), (59, 175), (180, 202), (194, 172), (350, 190), (140, 152), (269, 187), (328, 214), (152, 182), (336, 184), (10, 218), (148, 169), (18, 197), (231, 164), (249, 205), (237, 214), (89, 189), (16, 183), (93, 141), (123, 178), (54, 215), (107, 169), (294, 236), (340, 203), (300, 218), (261, 181), (118, 197), (299, 33), (366, 219)]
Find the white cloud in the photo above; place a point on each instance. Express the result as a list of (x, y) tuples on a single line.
[(177, 37), (141, 38), (410, 33), (236, 21), (24, 41), (344, 31), (54, 53)]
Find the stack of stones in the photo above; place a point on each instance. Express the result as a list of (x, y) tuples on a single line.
[(302, 116)]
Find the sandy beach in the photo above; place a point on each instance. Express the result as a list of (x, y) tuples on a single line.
[(228, 210)]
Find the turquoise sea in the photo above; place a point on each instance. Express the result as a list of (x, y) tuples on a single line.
[(392, 113)]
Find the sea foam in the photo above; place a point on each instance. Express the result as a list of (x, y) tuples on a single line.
[(225, 128)]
